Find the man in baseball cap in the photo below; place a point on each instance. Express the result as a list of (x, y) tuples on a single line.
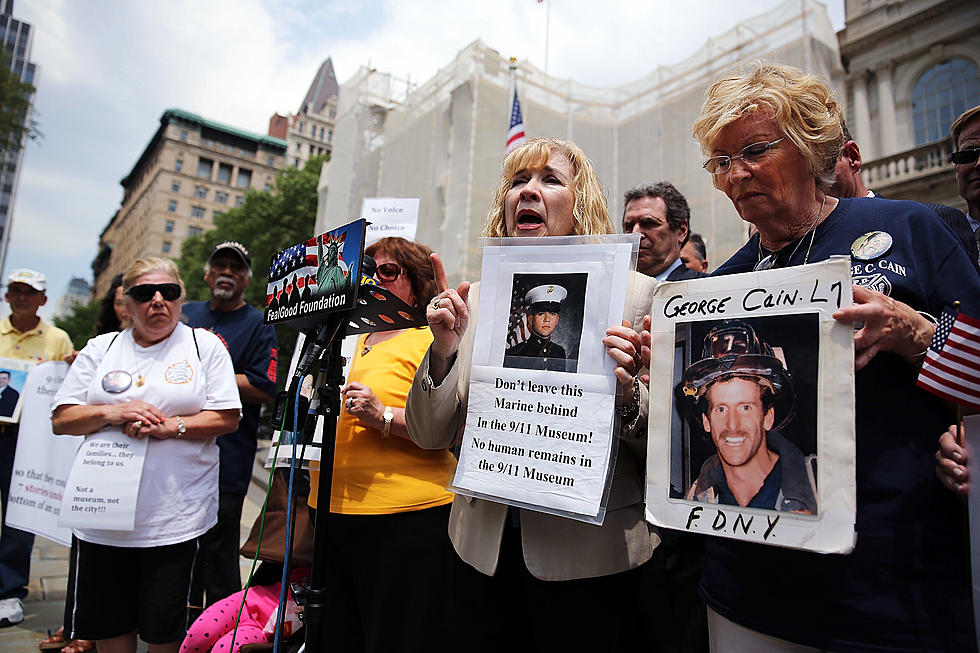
[(743, 394), (22, 335), (543, 313)]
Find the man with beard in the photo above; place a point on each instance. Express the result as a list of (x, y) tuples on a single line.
[(743, 394), (253, 349)]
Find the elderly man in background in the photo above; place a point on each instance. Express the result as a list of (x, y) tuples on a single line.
[(849, 184), (694, 253), (22, 335), (660, 214), (253, 348)]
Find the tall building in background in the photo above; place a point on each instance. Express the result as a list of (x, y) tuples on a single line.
[(912, 66), (310, 131), (79, 293), (16, 37), (443, 142), (192, 170)]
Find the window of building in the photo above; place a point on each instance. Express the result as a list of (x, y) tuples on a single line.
[(220, 197), (204, 167), (224, 173), (194, 231), (197, 211), (244, 178), (301, 125), (172, 205), (299, 147), (175, 186), (166, 247), (321, 133), (330, 136), (178, 166), (271, 161), (239, 200), (201, 192), (268, 186), (940, 95), (183, 134), (169, 227)]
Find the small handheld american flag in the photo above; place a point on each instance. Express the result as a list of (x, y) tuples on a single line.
[(951, 369)]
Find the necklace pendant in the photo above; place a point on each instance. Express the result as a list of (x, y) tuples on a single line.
[(366, 349), (140, 381)]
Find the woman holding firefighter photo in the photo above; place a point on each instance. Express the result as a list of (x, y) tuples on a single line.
[(543, 573), (386, 526), (772, 136), (175, 387)]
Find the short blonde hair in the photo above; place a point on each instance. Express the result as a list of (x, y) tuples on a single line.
[(151, 264), (802, 105), (590, 212)]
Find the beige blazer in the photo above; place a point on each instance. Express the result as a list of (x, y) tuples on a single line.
[(555, 548)]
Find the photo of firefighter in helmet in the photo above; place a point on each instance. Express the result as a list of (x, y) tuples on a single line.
[(741, 394)]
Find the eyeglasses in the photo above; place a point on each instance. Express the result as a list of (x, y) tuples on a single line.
[(967, 156), (388, 272), (719, 165), (146, 291)]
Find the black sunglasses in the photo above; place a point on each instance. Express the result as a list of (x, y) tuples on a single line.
[(388, 272), (969, 155), (145, 291)]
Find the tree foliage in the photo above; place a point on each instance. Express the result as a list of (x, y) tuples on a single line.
[(15, 102), (268, 222), (80, 322)]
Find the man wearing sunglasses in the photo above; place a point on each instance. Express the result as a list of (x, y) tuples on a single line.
[(22, 335), (966, 140), (253, 348)]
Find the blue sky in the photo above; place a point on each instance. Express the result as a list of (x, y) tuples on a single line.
[(110, 68)]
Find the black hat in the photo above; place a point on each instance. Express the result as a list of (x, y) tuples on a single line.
[(233, 246)]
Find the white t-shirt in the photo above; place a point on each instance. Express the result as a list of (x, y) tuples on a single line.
[(178, 492)]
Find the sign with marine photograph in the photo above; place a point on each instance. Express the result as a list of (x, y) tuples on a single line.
[(752, 385), (540, 417)]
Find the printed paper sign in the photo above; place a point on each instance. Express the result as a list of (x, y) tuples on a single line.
[(971, 429), (752, 384), (390, 216), (42, 461), (540, 417), (104, 481)]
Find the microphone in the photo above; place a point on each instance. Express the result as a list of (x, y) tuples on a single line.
[(326, 331)]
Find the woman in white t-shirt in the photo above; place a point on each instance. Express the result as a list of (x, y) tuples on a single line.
[(174, 386)]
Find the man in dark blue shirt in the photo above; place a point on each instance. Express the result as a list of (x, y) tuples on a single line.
[(253, 350)]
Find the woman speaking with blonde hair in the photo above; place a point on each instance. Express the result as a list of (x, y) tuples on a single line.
[(175, 386), (772, 136), (547, 572)]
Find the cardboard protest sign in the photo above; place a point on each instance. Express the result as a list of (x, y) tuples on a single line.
[(752, 383), (540, 418), (42, 459), (390, 217)]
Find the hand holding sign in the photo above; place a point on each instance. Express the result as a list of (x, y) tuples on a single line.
[(623, 346), (448, 317), (889, 325), (952, 463)]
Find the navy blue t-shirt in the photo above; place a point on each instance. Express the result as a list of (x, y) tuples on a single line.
[(253, 348), (906, 585)]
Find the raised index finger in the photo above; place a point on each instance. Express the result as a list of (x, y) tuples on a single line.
[(442, 283)]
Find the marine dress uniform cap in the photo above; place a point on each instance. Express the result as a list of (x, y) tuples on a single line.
[(547, 297)]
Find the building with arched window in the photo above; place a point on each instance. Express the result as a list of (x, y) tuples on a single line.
[(912, 67)]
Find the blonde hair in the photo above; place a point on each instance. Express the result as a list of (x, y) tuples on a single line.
[(590, 211), (151, 264), (802, 105)]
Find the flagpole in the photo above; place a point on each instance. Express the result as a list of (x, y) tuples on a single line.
[(513, 88), (547, 31)]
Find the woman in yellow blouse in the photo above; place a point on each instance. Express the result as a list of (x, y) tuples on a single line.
[(389, 560)]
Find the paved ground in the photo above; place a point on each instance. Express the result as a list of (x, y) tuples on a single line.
[(45, 605)]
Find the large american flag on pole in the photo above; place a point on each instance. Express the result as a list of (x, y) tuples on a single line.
[(515, 135), (951, 369)]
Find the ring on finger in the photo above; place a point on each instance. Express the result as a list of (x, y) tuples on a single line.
[(350, 403), (138, 424), (435, 303)]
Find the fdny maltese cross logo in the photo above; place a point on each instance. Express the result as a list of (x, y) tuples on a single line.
[(876, 281)]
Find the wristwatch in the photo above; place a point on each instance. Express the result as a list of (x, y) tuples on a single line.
[(389, 416), (181, 427)]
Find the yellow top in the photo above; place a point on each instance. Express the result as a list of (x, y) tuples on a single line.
[(42, 343), (372, 476)]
